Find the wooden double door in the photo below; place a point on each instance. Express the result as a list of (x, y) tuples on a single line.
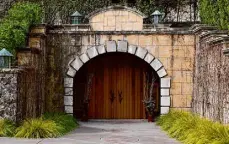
[(117, 88)]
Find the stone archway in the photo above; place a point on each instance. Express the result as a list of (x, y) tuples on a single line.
[(120, 46)]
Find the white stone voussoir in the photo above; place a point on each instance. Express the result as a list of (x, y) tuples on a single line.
[(149, 58), (69, 109), (101, 49), (165, 82), (68, 82), (68, 91), (165, 101), (68, 100), (165, 92), (164, 110), (84, 58), (71, 72), (77, 63), (156, 64), (141, 52), (122, 46), (111, 46), (162, 73), (132, 49), (92, 52)]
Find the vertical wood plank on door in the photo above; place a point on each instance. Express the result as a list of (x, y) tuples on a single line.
[(117, 72)]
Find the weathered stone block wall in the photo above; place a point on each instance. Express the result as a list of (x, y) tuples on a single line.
[(175, 51), (117, 20), (211, 77), (8, 93)]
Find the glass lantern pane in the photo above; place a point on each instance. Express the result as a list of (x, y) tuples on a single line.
[(1, 62)]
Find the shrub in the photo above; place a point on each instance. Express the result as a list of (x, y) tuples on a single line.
[(7, 128), (38, 128), (191, 129), (67, 122)]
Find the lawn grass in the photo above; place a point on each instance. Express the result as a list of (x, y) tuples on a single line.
[(191, 129)]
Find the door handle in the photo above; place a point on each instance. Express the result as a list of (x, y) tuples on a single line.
[(120, 96), (112, 96)]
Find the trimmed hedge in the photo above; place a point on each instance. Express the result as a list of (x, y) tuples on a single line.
[(191, 129), (15, 25)]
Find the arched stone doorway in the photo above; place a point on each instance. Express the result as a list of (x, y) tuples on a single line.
[(120, 47), (117, 85)]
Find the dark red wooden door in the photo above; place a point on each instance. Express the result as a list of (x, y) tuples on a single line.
[(117, 87)]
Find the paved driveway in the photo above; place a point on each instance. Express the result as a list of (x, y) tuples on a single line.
[(106, 132)]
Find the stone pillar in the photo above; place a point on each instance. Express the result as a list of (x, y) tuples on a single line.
[(9, 93)]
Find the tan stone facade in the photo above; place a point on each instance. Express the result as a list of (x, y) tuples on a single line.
[(174, 48), (117, 20)]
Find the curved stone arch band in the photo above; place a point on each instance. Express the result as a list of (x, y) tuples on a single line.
[(119, 46)]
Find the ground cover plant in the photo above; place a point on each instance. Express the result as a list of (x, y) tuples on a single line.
[(191, 129), (7, 128), (50, 125), (66, 122)]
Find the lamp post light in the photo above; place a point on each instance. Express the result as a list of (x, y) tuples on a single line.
[(76, 18), (156, 17), (5, 58)]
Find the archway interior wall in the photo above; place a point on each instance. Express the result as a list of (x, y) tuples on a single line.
[(119, 46)]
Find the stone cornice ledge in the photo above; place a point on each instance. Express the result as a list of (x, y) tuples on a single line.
[(198, 28), (214, 33), (121, 32), (218, 39)]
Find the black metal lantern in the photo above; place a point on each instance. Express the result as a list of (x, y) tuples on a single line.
[(5, 58), (76, 18), (156, 17)]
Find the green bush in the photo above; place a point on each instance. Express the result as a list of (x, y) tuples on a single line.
[(15, 26), (38, 128), (191, 129), (215, 12), (7, 128), (67, 122)]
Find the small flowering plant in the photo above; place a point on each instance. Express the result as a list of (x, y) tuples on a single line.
[(149, 105)]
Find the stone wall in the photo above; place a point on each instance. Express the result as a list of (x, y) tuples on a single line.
[(113, 19), (8, 93), (211, 77), (174, 51)]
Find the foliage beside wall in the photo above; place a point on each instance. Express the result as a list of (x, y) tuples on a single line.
[(50, 125), (215, 12), (191, 129), (7, 128), (15, 25)]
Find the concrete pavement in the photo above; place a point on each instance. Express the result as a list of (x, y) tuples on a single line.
[(106, 132)]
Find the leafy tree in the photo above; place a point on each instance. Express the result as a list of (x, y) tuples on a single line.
[(215, 12), (15, 26)]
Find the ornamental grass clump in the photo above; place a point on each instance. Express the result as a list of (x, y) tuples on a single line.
[(38, 128), (191, 129), (7, 128), (67, 122)]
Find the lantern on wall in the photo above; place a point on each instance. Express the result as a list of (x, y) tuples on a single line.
[(156, 17), (76, 18), (5, 58)]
